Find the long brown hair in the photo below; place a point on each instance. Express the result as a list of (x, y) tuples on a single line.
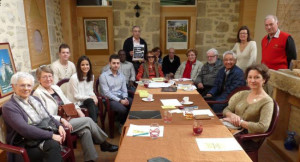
[(79, 71)]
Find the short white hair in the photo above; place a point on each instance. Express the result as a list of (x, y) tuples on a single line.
[(271, 17), (229, 53), (213, 50), (21, 75)]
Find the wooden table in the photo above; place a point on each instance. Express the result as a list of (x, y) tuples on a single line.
[(178, 142)]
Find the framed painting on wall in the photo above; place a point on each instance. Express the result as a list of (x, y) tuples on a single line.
[(95, 34), (7, 69), (177, 33)]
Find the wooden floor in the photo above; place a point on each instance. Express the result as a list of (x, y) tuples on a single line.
[(266, 153)]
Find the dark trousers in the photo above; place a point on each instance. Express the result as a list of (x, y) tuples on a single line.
[(50, 152), (120, 109), (92, 108), (136, 65), (204, 91)]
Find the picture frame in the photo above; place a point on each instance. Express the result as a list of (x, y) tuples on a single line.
[(177, 33), (95, 33), (7, 69)]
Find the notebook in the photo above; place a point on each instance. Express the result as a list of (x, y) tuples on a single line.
[(169, 89), (144, 115)]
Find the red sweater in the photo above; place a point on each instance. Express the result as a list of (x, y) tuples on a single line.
[(273, 52)]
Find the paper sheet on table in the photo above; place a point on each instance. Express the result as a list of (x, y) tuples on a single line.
[(159, 85), (170, 102), (158, 79), (176, 111), (143, 93), (186, 86), (203, 112), (218, 144), (168, 107), (143, 129), (182, 79)]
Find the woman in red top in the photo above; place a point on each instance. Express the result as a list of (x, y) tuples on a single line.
[(150, 69)]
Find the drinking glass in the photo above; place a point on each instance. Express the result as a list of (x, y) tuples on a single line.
[(188, 113), (167, 116), (197, 127), (154, 130), (146, 83)]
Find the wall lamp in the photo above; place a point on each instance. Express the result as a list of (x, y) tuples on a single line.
[(137, 8)]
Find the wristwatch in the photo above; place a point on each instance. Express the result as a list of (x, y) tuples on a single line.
[(241, 122)]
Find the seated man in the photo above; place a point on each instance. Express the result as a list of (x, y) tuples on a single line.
[(126, 68), (228, 78), (170, 63), (113, 86), (207, 76)]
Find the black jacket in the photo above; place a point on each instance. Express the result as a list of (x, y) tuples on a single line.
[(128, 46)]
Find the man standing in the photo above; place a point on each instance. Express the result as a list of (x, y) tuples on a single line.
[(228, 79), (113, 86), (63, 68), (278, 47), (130, 42), (207, 76), (126, 68), (170, 63)]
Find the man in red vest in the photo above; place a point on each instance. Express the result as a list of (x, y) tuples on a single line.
[(278, 47)]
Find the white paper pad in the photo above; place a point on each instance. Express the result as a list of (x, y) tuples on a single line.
[(170, 102), (158, 85), (203, 112), (176, 111), (218, 144), (142, 129), (183, 79)]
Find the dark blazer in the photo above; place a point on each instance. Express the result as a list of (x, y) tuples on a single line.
[(16, 121), (128, 46), (234, 80), (170, 67)]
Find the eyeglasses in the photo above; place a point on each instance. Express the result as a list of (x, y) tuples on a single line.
[(211, 56), (23, 86), (243, 33), (47, 77), (151, 56)]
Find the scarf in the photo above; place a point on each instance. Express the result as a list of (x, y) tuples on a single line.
[(146, 69), (33, 108), (188, 69)]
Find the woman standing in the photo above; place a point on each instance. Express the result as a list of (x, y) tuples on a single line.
[(245, 49), (190, 68), (80, 87), (150, 69)]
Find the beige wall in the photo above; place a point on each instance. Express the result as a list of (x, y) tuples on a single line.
[(264, 8)]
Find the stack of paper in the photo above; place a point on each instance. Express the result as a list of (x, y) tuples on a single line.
[(218, 144), (142, 130), (158, 79), (158, 85), (170, 102), (143, 93), (203, 112)]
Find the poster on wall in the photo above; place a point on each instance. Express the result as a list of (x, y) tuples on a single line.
[(138, 52), (177, 34), (7, 69), (95, 33)]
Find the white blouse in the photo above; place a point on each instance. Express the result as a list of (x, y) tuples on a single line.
[(247, 57)]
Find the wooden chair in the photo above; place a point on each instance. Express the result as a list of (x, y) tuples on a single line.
[(211, 102), (67, 154), (252, 151)]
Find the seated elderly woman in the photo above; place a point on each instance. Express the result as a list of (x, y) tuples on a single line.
[(150, 68), (251, 109), (22, 113), (190, 68), (88, 131)]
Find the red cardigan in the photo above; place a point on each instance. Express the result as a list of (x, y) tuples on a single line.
[(273, 52)]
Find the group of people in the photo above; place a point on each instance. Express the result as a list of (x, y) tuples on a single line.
[(215, 80)]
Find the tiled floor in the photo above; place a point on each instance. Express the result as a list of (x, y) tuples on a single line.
[(266, 154)]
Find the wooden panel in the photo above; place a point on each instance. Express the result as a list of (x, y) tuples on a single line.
[(166, 11), (37, 31), (248, 14)]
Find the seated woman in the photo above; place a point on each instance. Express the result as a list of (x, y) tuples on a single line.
[(150, 68), (190, 68), (157, 52), (80, 87), (88, 131), (21, 115), (253, 109)]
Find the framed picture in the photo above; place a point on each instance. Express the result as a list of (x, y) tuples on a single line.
[(177, 33), (95, 33), (7, 69)]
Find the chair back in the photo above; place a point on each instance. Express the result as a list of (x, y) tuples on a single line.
[(274, 119), (62, 85), (97, 88)]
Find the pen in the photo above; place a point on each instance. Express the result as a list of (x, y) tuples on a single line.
[(140, 134)]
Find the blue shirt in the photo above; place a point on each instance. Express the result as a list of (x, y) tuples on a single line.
[(113, 87)]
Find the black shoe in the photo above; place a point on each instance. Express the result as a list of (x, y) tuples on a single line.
[(105, 146)]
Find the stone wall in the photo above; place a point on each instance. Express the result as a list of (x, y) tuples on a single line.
[(54, 27), (288, 13), (217, 25), (13, 30), (124, 19)]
